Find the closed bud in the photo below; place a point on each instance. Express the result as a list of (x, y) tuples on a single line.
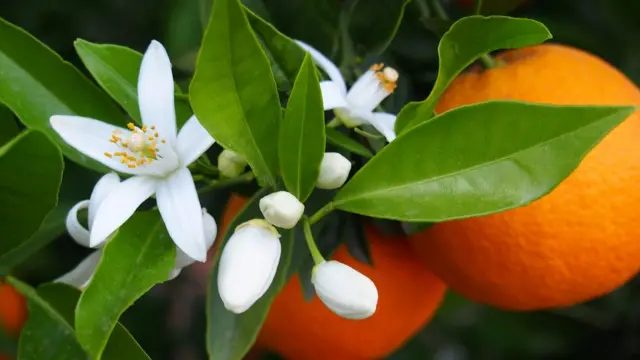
[(334, 171), (281, 209), (248, 264), (344, 290), (231, 164)]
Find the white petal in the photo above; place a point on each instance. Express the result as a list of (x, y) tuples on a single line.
[(333, 95), (367, 92), (327, 65), (193, 141), (82, 274), (180, 208), (119, 205), (344, 290), (91, 137), (281, 209), (174, 274), (210, 231), (75, 229), (385, 124), (247, 266), (103, 187), (156, 91)]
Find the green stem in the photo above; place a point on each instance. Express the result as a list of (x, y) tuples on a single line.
[(488, 61), (368, 134), (182, 96), (219, 184), (477, 7), (324, 211), (439, 10), (334, 123), (311, 244), (423, 8)]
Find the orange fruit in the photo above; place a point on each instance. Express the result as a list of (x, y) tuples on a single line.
[(408, 297), (13, 310), (580, 241)]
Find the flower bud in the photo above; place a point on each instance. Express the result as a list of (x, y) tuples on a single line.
[(210, 230), (334, 171), (281, 209), (344, 290), (231, 164), (248, 264)]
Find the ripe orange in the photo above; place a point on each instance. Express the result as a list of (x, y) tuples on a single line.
[(580, 241), (13, 310)]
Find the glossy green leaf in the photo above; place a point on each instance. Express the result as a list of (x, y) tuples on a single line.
[(302, 138), (138, 257), (47, 334), (467, 40), (116, 69), (8, 126), (233, 91), (35, 83), (476, 160), (387, 16), (284, 54), (31, 172), (229, 335), (343, 141)]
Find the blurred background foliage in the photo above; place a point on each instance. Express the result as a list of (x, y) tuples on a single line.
[(607, 328)]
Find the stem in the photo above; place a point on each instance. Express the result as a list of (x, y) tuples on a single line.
[(313, 249), (439, 10), (182, 97), (218, 184), (477, 7), (368, 134), (488, 61), (348, 53), (423, 8), (334, 123), (324, 211)]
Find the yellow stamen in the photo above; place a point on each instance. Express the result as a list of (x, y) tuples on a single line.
[(131, 166), (108, 155), (131, 126)]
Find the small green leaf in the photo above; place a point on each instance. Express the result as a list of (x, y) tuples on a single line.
[(8, 126), (467, 40), (233, 91), (386, 15), (138, 257), (32, 172), (302, 138), (343, 141), (476, 160), (35, 83), (229, 335), (116, 69)]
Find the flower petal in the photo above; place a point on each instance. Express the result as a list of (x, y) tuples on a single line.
[(82, 274), (193, 141), (103, 187), (156, 91), (210, 231), (119, 205), (327, 65), (332, 95), (384, 123), (91, 137), (75, 229), (180, 208)]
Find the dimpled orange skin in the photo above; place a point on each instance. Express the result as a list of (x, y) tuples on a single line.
[(408, 294), (580, 241), (13, 310)]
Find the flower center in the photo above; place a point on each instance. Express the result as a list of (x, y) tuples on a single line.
[(387, 76), (139, 148)]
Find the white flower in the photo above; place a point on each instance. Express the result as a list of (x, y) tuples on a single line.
[(344, 290), (82, 274), (155, 154), (281, 209), (334, 171), (248, 263), (231, 164), (355, 107)]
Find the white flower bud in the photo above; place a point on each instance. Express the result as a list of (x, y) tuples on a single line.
[(334, 171), (344, 290), (210, 231), (281, 209), (231, 164), (248, 264)]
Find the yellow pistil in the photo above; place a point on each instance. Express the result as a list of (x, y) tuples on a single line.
[(137, 149)]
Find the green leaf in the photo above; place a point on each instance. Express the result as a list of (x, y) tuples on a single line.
[(116, 69), (229, 335), (302, 138), (284, 54), (476, 160), (8, 126), (32, 172), (35, 83), (47, 335), (233, 91), (386, 15), (467, 40), (343, 141), (138, 257)]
